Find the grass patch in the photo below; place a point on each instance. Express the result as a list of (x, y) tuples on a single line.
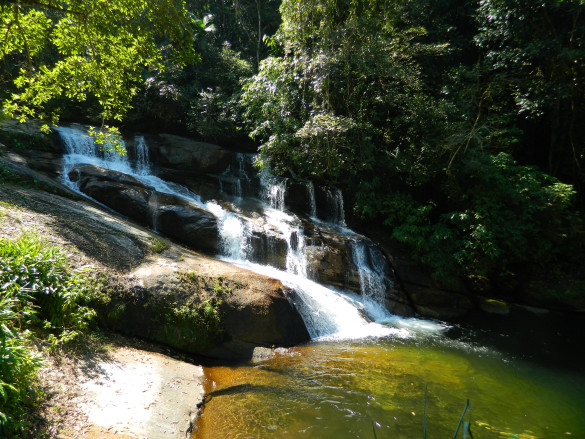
[(158, 245), (41, 300)]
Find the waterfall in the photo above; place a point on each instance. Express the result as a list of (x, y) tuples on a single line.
[(142, 159), (336, 198), (274, 190), (233, 234), (370, 270), (296, 258), (326, 312), (77, 142), (229, 184), (241, 172), (312, 201), (80, 148), (330, 314)]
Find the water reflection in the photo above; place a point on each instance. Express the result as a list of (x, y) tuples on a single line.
[(345, 389)]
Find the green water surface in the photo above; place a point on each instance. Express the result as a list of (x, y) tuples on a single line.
[(376, 389)]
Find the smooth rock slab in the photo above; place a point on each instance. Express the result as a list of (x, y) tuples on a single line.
[(140, 394)]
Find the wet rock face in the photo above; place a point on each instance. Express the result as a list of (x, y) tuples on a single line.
[(191, 225), (297, 197), (268, 249), (121, 192), (184, 221), (182, 153), (168, 214), (331, 266)]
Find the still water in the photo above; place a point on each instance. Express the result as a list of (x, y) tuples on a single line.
[(523, 379)]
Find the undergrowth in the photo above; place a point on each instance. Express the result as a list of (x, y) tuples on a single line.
[(157, 245), (41, 301), (8, 175)]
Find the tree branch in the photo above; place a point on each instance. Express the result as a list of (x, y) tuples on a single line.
[(28, 54), (49, 7)]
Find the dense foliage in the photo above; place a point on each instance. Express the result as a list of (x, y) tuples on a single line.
[(89, 50), (40, 299), (459, 125), (383, 99), (203, 98)]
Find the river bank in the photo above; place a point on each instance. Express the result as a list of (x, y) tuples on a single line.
[(118, 387), (121, 386)]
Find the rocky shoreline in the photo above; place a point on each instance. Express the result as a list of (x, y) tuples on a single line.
[(79, 388)]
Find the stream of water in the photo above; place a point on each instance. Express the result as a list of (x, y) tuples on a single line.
[(326, 311), (366, 372)]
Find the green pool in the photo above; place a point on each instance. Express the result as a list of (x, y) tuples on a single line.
[(523, 382)]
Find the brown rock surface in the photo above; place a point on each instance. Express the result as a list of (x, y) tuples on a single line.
[(256, 311)]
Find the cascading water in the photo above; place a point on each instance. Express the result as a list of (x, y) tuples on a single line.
[(274, 190), (81, 149), (142, 157), (233, 234), (370, 271), (312, 199), (338, 209), (326, 312)]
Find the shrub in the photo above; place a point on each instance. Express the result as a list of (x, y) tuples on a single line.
[(18, 365), (496, 217), (37, 292), (157, 245), (41, 275)]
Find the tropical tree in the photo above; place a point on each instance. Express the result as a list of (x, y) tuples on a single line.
[(348, 91), (86, 50), (535, 55), (382, 98)]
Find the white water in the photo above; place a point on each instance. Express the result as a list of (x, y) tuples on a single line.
[(142, 156), (327, 313), (371, 276), (330, 314), (274, 190)]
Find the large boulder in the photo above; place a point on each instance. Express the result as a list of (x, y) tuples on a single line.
[(262, 315), (121, 192), (181, 153), (171, 215), (186, 222), (204, 307)]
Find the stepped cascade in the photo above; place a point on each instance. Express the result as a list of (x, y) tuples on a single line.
[(288, 229)]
